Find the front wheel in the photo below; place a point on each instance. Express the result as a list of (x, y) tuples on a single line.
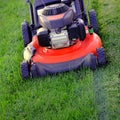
[(101, 56)]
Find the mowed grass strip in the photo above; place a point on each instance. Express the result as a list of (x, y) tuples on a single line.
[(67, 96), (64, 96), (108, 78)]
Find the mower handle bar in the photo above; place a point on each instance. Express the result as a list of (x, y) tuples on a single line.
[(31, 11)]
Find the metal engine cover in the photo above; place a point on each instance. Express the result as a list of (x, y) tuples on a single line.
[(59, 40)]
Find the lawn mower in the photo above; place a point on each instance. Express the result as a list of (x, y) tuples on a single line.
[(60, 38)]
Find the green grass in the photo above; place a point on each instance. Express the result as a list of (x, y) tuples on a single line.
[(75, 95)]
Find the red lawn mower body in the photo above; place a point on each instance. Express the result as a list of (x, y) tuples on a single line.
[(79, 49), (79, 46)]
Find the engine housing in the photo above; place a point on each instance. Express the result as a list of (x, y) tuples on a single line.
[(59, 40)]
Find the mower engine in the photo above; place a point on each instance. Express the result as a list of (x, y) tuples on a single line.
[(59, 40), (55, 19)]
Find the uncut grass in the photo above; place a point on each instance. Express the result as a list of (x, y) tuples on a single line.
[(61, 97)]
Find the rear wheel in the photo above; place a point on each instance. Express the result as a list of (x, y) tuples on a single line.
[(101, 56), (26, 33), (93, 20), (24, 66)]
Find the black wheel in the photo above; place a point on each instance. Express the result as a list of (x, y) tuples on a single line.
[(25, 70), (26, 33), (101, 56), (81, 30), (93, 20)]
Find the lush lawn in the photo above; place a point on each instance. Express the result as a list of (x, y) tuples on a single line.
[(75, 95)]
